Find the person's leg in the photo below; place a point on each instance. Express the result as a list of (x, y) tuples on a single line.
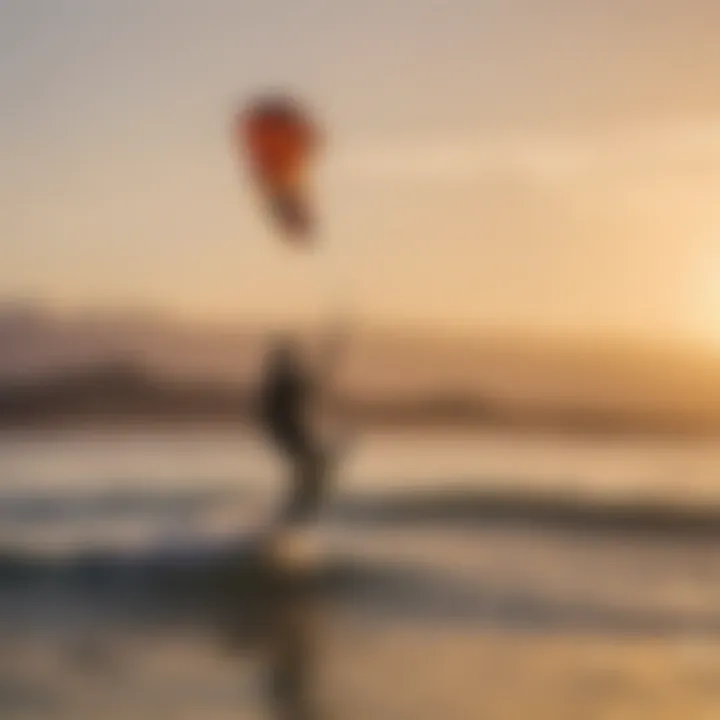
[(307, 478), (310, 482)]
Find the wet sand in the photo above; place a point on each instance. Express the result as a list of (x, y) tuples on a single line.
[(420, 611)]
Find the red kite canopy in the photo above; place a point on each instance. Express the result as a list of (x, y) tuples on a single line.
[(279, 139)]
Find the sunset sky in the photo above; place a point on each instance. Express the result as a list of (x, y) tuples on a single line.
[(547, 165)]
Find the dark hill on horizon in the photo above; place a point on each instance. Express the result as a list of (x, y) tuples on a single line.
[(171, 365), (120, 393)]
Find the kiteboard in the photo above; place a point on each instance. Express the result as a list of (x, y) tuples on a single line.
[(299, 545), (308, 542)]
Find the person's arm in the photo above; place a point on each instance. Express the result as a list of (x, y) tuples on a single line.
[(332, 404), (325, 368), (334, 346)]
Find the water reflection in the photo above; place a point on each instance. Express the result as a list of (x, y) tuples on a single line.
[(280, 622), (133, 626), (292, 645)]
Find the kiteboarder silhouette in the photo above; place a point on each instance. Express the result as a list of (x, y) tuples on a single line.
[(290, 396), (278, 142)]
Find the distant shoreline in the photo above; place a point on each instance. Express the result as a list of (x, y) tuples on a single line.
[(120, 424), (118, 396)]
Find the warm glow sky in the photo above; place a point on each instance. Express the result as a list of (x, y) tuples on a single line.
[(546, 163)]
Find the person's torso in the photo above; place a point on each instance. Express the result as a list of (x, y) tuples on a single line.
[(285, 397)]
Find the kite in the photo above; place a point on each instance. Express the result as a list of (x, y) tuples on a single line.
[(279, 140)]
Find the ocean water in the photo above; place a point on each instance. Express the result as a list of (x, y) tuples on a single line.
[(464, 576)]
